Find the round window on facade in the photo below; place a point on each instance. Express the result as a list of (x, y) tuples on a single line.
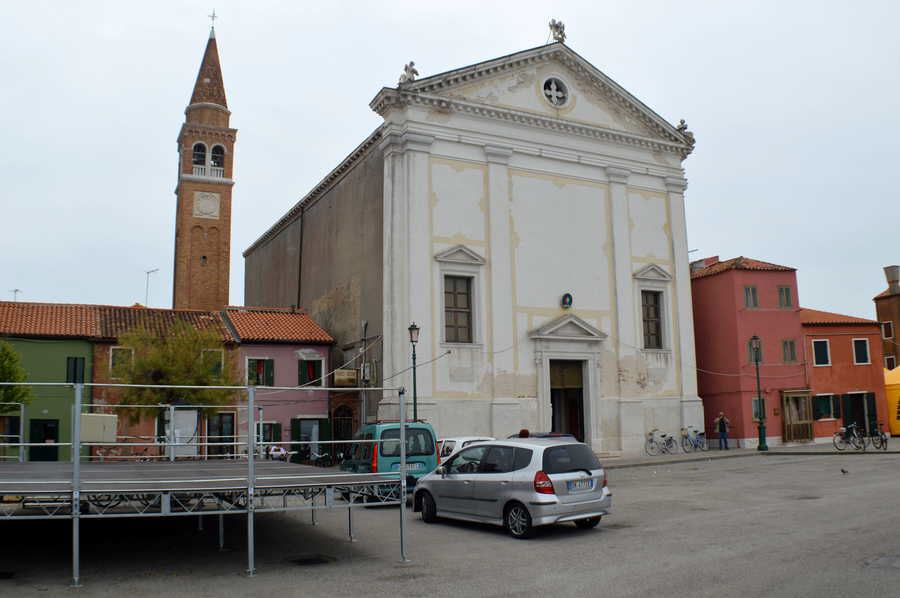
[(556, 92)]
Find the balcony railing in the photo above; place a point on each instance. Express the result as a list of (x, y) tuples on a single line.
[(217, 172)]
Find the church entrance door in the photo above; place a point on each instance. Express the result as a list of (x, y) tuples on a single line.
[(567, 397)]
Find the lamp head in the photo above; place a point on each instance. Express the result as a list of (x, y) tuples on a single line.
[(413, 333)]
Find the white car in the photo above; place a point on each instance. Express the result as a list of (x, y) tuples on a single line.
[(448, 446)]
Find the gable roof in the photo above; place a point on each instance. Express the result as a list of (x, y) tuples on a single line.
[(54, 320), (568, 327), (814, 317), (739, 263), (117, 320), (427, 90), (274, 325)]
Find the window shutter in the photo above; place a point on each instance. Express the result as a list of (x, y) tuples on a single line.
[(269, 372)]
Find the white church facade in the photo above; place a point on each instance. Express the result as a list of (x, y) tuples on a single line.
[(528, 214)]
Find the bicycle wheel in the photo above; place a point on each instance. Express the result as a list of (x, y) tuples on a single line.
[(884, 441), (702, 443), (652, 447), (857, 442), (671, 445), (876, 442), (686, 444), (840, 443)]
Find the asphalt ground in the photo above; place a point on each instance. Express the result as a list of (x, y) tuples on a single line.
[(774, 526)]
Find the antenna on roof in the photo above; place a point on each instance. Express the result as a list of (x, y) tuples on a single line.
[(15, 293), (147, 289)]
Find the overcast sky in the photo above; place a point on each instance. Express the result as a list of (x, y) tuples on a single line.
[(794, 106)]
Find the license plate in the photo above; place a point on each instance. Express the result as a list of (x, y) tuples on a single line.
[(410, 466), (579, 485)]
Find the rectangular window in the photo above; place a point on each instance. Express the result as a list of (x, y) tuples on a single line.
[(751, 300), (271, 432), (887, 330), (651, 311), (309, 372), (826, 407), (861, 351), (457, 309), (890, 362), (261, 372), (750, 354), (74, 370), (120, 358), (784, 297), (789, 348), (821, 353)]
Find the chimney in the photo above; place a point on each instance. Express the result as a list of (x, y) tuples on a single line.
[(892, 273)]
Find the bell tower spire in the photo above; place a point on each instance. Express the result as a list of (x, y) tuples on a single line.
[(203, 192)]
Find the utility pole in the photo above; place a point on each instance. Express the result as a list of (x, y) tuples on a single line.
[(147, 289), (15, 293)]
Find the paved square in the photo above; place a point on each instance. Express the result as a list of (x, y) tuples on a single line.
[(773, 526)]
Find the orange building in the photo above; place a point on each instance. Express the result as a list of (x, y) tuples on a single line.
[(845, 373)]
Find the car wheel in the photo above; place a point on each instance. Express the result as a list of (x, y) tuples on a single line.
[(429, 509), (587, 523), (518, 521)]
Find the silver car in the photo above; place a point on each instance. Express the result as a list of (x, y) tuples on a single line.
[(519, 484)]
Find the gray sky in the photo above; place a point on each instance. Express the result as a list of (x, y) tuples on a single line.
[(794, 106)]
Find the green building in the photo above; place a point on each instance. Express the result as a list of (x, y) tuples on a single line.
[(53, 344)]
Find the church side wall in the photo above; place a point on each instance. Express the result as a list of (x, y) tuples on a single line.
[(271, 270)]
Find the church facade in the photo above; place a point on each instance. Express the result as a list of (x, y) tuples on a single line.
[(527, 213)]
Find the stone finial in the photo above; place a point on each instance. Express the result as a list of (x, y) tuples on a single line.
[(558, 30), (409, 73), (683, 129)]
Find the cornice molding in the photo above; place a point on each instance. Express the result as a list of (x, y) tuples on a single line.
[(585, 73), (393, 98), (395, 141), (193, 178), (207, 105), (497, 155), (676, 185)]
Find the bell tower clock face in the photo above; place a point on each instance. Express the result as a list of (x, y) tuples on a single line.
[(206, 205)]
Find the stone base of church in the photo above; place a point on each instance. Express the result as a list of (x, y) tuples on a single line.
[(621, 427)]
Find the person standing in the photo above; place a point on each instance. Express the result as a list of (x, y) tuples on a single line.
[(722, 423)]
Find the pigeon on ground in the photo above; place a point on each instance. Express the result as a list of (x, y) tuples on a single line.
[(844, 471)]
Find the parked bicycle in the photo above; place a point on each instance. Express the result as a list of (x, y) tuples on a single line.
[(665, 443), (693, 440), (878, 439), (849, 436)]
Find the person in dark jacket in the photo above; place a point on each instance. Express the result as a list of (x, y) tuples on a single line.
[(722, 423)]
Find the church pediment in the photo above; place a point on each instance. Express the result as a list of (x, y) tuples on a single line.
[(654, 273), (460, 255), (550, 83), (568, 327)]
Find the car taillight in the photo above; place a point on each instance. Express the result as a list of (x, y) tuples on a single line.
[(437, 452), (604, 480), (542, 483), (374, 457)]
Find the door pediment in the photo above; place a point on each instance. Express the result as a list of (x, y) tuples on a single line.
[(568, 327)]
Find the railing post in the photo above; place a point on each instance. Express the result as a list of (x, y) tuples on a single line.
[(21, 432), (403, 557), (76, 489), (171, 434), (251, 479)]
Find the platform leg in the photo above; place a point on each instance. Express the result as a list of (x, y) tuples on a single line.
[(251, 555), (199, 523), (76, 545), (350, 523), (221, 532), (313, 511), (76, 488)]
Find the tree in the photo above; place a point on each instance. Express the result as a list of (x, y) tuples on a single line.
[(11, 370), (185, 356)]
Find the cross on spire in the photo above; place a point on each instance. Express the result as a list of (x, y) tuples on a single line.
[(212, 18)]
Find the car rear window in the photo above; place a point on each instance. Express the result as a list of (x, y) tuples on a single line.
[(569, 457), (419, 442)]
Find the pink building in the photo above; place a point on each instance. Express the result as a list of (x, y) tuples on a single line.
[(283, 347), (733, 301), (818, 370)]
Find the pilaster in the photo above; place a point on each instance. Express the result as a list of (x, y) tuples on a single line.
[(625, 315)]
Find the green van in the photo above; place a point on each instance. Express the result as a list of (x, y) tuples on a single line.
[(383, 455)]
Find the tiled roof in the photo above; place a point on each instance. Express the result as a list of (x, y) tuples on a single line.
[(739, 263), (814, 317), (115, 321), (60, 320), (275, 325)]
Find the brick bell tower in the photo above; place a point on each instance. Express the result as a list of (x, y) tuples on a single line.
[(203, 216)]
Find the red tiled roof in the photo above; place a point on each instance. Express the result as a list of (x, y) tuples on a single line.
[(739, 263), (115, 321), (61, 320), (814, 317), (275, 325)]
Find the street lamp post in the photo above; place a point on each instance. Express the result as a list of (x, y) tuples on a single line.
[(413, 340), (756, 348)]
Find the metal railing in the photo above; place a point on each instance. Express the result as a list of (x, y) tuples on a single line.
[(166, 450)]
